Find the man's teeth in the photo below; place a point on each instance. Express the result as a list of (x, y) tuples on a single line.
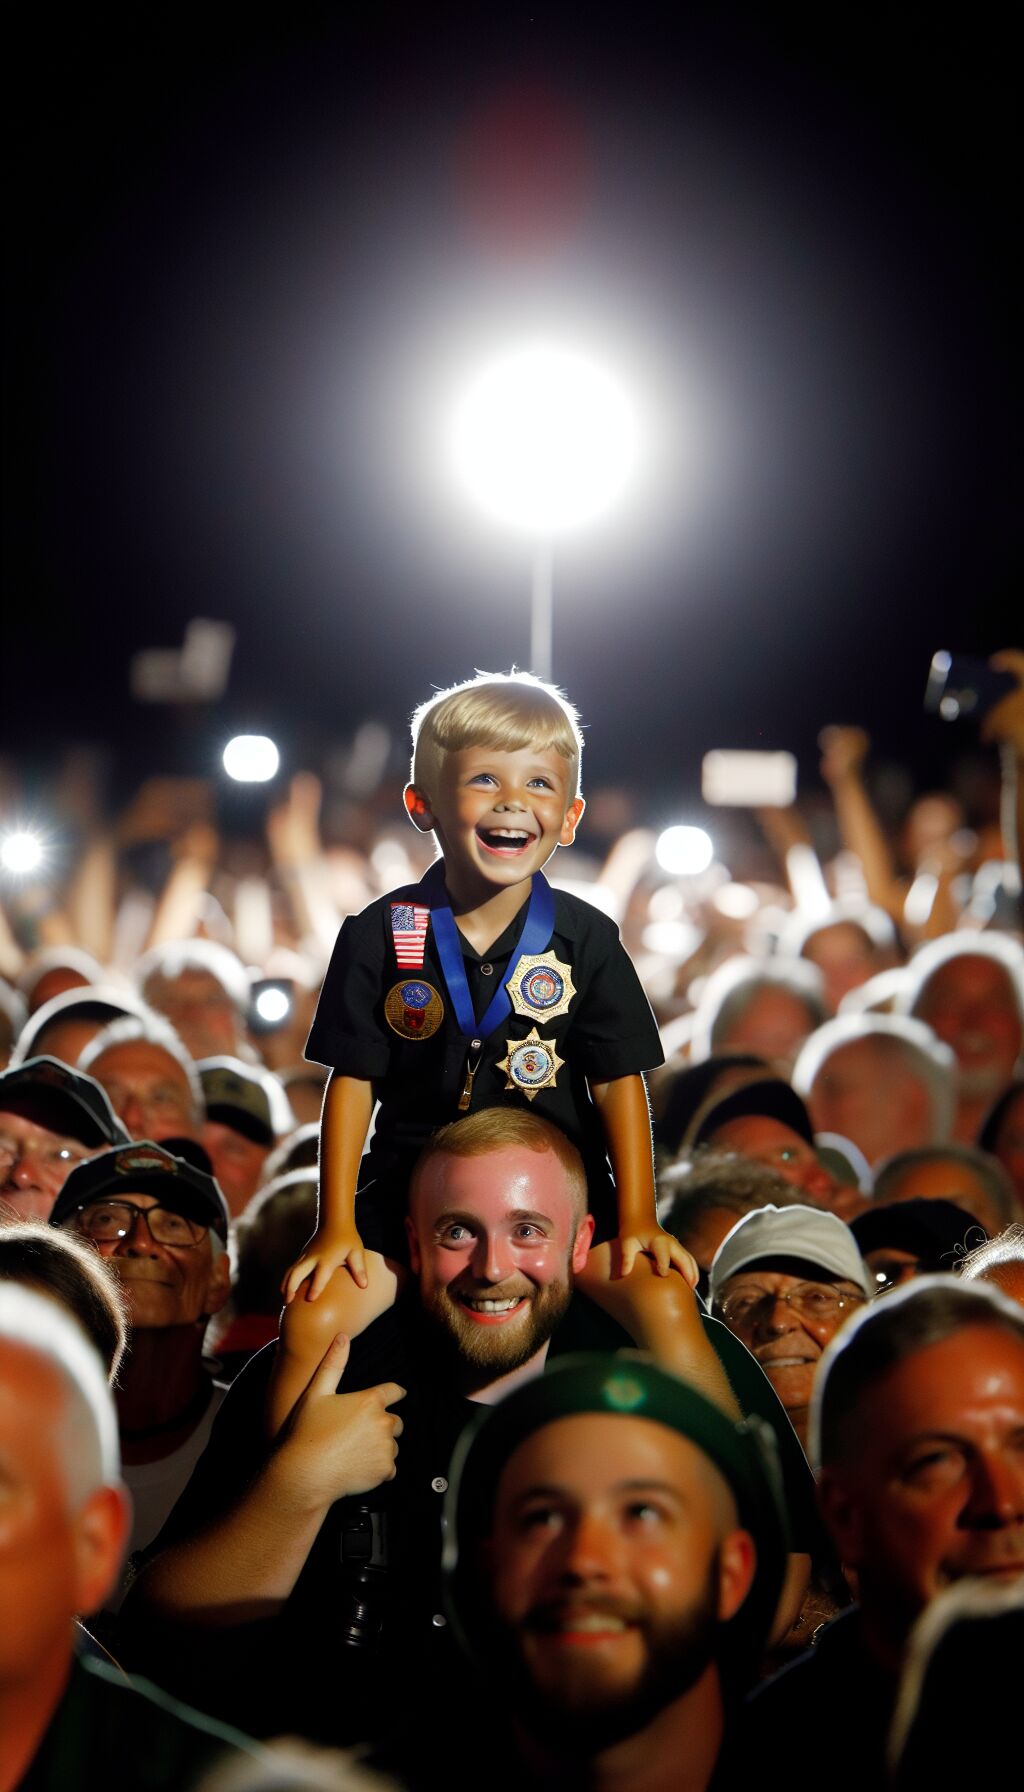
[(492, 1306)]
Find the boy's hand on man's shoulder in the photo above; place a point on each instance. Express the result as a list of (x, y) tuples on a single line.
[(665, 1252), (326, 1252)]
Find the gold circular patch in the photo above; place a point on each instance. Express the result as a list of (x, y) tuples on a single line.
[(413, 1009)]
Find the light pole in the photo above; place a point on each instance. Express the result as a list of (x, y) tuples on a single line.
[(544, 441)]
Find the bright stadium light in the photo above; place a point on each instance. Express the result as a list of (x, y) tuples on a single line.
[(251, 759), (544, 441), (21, 852), (272, 1005), (684, 852)]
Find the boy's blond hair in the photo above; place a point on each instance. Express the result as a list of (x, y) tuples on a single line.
[(506, 711)]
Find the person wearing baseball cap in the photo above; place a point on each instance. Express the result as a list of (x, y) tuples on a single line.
[(615, 1546), (766, 1120), (247, 1111), (51, 1118), (784, 1280), (162, 1224)]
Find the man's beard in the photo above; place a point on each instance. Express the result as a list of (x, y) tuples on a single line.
[(497, 1349), (581, 1715)]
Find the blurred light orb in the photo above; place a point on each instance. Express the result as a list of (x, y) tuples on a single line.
[(684, 852), (272, 1005), (251, 759), (737, 901), (544, 440), (21, 852)]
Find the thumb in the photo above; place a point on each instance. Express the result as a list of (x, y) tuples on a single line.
[(331, 1367)]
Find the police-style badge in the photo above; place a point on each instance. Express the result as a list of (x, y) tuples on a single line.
[(531, 1064), (541, 986), (413, 1010)]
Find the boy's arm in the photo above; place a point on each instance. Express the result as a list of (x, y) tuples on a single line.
[(348, 1106), (626, 1118)]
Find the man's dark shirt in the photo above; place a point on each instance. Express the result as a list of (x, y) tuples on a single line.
[(126, 1736), (296, 1671), (608, 1032), (832, 1707)]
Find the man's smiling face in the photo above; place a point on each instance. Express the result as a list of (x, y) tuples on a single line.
[(496, 1240), (499, 816)]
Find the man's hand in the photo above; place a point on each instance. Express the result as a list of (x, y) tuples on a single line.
[(665, 1252), (843, 752), (326, 1252), (336, 1444)]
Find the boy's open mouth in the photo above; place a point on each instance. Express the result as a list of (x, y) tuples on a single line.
[(507, 842)]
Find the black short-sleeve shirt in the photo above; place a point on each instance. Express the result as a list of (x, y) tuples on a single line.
[(608, 1032)]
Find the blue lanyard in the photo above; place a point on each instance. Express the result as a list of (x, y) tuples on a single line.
[(535, 937)]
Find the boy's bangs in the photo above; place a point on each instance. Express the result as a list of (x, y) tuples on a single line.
[(507, 715)]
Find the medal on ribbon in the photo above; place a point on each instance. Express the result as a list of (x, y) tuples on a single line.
[(413, 1010), (541, 986), (531, 1064)]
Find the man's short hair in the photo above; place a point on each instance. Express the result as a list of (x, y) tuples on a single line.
[(983, 1166), (908, 1042), (926, 1311), (497, 1129), (88, 1437), (61, 1264), (148, 1029), (506, 711), (168, 963)]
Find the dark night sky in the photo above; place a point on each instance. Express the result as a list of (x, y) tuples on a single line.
[(243, 257)]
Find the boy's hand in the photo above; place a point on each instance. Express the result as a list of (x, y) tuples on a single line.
[(665, 1252), (326, 1252)]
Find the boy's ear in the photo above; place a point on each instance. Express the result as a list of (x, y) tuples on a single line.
[(573, 817), (417, 805)]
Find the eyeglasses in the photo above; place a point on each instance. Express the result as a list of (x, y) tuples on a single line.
[(52, 1155), (107, 1222), (811, 1300)]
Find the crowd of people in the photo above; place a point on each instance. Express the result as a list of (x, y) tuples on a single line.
[(527, 1475)]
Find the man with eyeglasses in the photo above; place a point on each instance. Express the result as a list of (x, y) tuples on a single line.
[(784, 1280), (163, 1226), (51, 1118)]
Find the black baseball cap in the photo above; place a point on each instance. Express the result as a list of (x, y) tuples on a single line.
[(938, 1233), (144, 1169), (66, 1101), (236, 1096), (768, 1096), (627, 1385)]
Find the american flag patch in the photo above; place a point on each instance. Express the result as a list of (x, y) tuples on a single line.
[(409, 924)]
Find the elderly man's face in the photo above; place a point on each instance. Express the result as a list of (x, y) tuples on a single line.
[(495, 1241), (166, 1284), (768, 1141), (34, 1164), (54, 1561), (774, 1024), (148, 1090), (866, 1091), (934, 1486), (200, 1011), (615, 1555), (237, 1163), (969, 1002), (785, 1322)]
